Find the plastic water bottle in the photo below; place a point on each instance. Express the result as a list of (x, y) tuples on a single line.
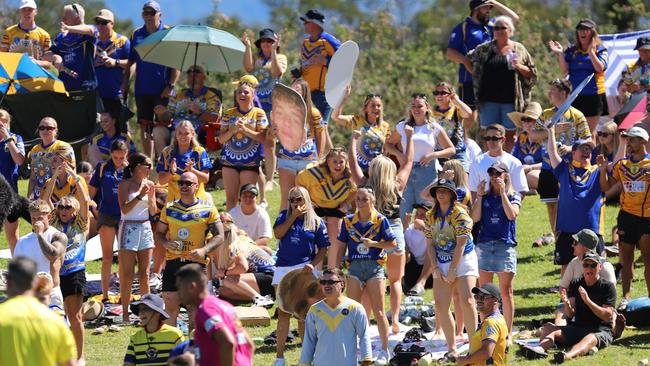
[(511, 57)]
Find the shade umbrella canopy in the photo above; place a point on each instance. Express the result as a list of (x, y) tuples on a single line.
[(19, 74), (186, 45), (636, 114)]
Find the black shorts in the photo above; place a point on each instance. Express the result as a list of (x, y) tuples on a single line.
[(591, 105), (107, 220), (239, 169), (466, 93), (145, 105), (564, 248), (547, 186), (329, 212), (264, 283), (169, 273), (73, 283), (412, 271), (573, 334), (632, 227)]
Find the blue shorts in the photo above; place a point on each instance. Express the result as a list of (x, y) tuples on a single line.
[(398, 230), (491, 113), (419, 179), (294, 166), (135, 235), (364, 270), (496, 256), (318, 97)]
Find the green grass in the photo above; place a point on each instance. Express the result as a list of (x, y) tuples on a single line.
[(536, 273)]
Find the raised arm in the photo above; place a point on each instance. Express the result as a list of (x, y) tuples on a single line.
[(337, 113), (407, 164), (249, 65), (357, 172), (56, 248), (551, 148), (505, 10)]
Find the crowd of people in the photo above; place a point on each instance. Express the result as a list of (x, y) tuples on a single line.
[(407, 206)]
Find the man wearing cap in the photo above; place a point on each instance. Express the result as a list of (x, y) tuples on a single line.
[(26, 36), (637, 74), (317, 51), (110, 58), (476, 29), (633, 172), (74, 53), (251, 218), (153, 83), (589, 301), (30, 333), (488, 344), (153, 343), (581, 198)]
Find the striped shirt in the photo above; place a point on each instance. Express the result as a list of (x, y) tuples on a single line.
[(152, 348)]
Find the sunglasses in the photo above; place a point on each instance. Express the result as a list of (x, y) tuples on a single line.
[(185, 183), (329, 282), (296, 199), (492, 138), (149, 12), (440, 92), (528, 119), (495, 173), (148, 165), (65, 207), (603, 134), (499, 28), (589, 265), (194, 71), (419, 95), (46, 128), (101, 22), (373, 95), (483, 297)]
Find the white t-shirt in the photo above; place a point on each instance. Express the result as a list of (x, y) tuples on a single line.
[(574, 271), (480, 165), (416, 243), (425, 138), (27, 246), (257, 225), (473, 149)]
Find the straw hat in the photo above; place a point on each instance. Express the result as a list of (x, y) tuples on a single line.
[(92, 310), (533, 110)]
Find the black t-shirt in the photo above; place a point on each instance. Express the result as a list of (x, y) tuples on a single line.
[(601, 293), (497, 81)]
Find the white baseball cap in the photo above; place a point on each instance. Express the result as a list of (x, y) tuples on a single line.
[(637, 132), (27, 4)]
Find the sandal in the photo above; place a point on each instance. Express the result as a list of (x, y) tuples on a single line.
[(100, 330), (114, 329)]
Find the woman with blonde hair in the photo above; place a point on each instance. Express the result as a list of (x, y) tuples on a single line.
[(454, 170), (497, 209), (245, 269), (290, 163), (451, 113), (242, 133), (388, 185), (370, 123), (302, 244), (430, 142), (331, 189), (184, 154), (608, 140)]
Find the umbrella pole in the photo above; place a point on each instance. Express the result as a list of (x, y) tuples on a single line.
[(11, 81), (196, 54)]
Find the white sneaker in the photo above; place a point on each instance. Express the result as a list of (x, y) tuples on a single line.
[(382, 358), (279, 362), (264, 301)]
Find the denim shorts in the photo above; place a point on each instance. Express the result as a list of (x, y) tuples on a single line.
[(135, 235), (364, 270), (496, 256), (294, 166), (490, 113), (398, 230), (420, 178)]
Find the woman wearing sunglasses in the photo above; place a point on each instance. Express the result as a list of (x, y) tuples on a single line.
[(497, 209), (71, 218), (302, 243), (40, 156), (504, 75), (450, 112), (367, 234), (137, 198), (454, 261), (370, 123), (430, 142)]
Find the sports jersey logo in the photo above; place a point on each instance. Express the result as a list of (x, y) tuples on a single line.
[(362, 249), (183, 233)]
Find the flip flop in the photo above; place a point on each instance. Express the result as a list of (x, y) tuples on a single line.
[(532, 353), (100, 330)]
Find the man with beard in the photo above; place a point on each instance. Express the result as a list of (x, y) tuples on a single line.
[(476, 29), (637, 74), (333, 326), (633, 171)]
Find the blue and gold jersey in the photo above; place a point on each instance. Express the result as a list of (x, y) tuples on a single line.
[(266, 80), (40, 160), (371, 142), (153, 349), (578, 131), (580, 67), (179, 105), (33, 41), (495, 330), (312, 71), (104, 143), (451, 121), (324, 192), (69, 187), (106, 179), (109, 79), (75, 251), (636, 72), (635, 198), (200, 161), (8, 167), (444, 229), (353, 231), (527, 151), (189, 225), (241, 150)]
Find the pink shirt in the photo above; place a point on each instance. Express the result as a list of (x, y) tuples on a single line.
[(212, 315)]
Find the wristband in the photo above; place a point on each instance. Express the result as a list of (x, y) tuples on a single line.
[(138, 198)]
